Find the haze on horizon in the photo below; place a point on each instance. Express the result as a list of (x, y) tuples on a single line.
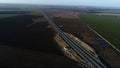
[(100, 3)]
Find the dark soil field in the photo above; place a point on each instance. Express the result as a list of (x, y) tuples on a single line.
[(29, 47), (13, 12), (5, 8)]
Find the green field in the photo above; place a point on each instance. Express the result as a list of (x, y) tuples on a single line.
[(34, 11), (107, 26), (7, 15)]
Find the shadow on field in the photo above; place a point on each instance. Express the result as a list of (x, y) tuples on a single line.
[(14, 32), (29, 47)]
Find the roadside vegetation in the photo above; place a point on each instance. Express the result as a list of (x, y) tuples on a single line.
[(107, 26)]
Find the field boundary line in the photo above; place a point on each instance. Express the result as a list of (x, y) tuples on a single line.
[(103, 38)]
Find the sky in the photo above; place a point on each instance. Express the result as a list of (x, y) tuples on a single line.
[(101, 3)]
